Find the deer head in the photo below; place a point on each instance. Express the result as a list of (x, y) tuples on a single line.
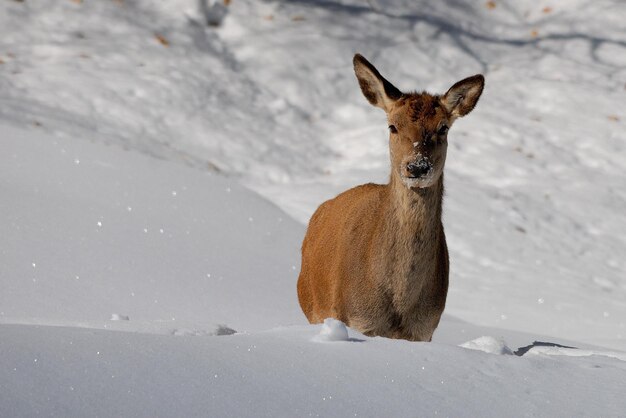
[(418, 122)]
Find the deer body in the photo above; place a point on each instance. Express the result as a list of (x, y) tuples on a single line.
[(375, 256)]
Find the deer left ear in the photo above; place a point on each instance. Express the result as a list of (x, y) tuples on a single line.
[(461, 98), (376, 89)]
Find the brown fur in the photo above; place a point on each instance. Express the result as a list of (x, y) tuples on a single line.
[(375, 257)]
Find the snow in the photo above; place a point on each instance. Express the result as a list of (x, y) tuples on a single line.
[(332, 330), (78, 257), (157, 175), (118, 317), (281, 372), (488, 345)]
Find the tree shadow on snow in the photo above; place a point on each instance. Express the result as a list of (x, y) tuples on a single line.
[(463, 35)]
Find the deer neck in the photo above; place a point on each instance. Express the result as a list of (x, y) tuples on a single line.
[(411, 246), (416, 213)]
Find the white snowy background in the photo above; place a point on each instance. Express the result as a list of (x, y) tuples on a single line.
[(157, 174)]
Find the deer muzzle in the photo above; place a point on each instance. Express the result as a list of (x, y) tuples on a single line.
[(419, 168)]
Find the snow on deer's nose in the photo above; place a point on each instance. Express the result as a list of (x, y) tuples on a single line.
[(419, 168)]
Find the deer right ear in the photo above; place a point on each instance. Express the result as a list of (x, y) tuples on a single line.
[(461, 98), (375, 88)]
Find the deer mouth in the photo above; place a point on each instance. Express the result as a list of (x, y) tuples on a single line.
[(424, 176), (419, 180)]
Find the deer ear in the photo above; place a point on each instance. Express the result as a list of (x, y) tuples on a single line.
[(461, 98), (375, 88)]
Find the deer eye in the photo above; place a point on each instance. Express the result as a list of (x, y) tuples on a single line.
[(442, 131), (393, 129)]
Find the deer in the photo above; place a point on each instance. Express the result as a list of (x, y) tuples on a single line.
[(375, 256)]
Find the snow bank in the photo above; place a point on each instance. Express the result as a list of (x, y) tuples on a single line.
[(282, 373)]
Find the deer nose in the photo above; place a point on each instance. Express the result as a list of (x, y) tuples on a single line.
[(419, 168)]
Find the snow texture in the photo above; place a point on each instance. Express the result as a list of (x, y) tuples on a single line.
[(157, 174)]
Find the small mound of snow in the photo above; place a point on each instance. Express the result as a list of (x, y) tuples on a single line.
[(488, 345), (219, 330), (118, 317), (333, 330)]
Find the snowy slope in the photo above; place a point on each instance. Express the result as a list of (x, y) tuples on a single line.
[(91, 231), (66, 212), (100, 239)]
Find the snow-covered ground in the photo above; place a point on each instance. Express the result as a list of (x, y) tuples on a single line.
[(138, 287), (112, 260)]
